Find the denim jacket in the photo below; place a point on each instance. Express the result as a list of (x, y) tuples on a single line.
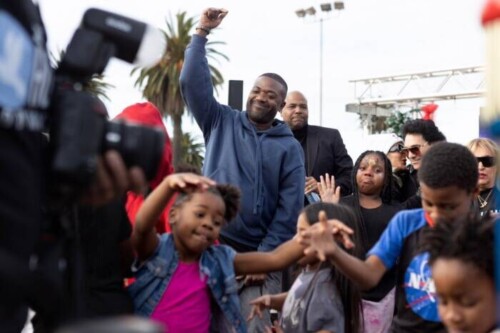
[(216, 263)]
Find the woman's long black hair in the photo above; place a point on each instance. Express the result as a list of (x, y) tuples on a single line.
[(385, 193), (349, 293)]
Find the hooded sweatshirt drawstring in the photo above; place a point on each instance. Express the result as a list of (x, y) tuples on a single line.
[(258, 174)]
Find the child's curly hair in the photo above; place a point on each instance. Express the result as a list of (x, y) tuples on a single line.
[(229, 194), (469, 239)]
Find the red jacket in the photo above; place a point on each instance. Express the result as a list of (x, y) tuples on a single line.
[(148, 114)]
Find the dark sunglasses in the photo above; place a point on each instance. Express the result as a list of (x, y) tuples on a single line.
[(487, 161), (415, 149), (396, 148)]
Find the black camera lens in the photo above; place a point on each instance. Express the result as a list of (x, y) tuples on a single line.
[(138, 145)]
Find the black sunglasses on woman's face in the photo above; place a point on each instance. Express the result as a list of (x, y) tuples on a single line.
[(487, 161)]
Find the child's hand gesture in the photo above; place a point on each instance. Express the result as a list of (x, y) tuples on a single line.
[(275, 329), (259, 304), (188, 182), (322, 237), (327, 190)]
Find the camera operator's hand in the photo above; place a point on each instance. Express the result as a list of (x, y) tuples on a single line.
[(113, 179), (210, 19)]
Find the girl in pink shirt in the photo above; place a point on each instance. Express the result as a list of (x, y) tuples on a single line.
[(183, 280)]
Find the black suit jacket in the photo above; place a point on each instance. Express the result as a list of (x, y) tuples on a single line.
[(326, 153)]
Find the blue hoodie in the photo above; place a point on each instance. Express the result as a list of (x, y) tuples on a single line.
[(267, 166)]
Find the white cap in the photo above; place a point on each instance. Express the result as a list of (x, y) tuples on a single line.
[(383, 142)]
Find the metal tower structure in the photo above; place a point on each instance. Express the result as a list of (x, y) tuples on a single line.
[(376, 98)]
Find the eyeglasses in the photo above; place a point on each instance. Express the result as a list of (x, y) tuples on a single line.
[(487, 161), (415, 149), (396, 148)]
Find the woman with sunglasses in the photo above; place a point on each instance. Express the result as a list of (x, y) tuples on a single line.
[(486, 152)]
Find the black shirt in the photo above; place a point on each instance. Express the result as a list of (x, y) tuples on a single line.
[(410, 184), (301, 136), (375, 221), (487, 197)]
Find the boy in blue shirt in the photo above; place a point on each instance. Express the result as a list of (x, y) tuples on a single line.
[(448, 177)]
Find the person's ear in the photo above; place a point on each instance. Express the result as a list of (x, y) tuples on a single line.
[(282, 106), (172, 215)]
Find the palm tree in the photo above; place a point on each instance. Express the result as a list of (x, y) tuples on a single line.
[(160, 83), (192, 151)]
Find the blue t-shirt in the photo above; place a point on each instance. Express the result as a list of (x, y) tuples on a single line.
[(416, 301)]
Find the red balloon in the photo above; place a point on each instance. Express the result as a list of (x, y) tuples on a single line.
[(491, 11), (428, 110)]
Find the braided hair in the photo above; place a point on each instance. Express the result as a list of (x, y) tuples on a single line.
[(385, 193)]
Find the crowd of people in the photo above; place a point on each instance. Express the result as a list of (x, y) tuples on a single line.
[(279, 232)]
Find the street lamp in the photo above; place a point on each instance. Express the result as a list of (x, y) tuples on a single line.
[(325, 9)]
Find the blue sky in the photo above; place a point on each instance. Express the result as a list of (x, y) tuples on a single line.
[(368, 38)]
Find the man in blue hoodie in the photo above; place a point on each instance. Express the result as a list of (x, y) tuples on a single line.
[(249, 149)]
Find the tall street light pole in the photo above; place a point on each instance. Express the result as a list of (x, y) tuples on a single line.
[(326, 8)]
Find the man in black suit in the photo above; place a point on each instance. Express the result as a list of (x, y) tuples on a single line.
[(323, 147)]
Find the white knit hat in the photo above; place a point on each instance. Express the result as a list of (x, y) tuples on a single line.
[(383, 142)]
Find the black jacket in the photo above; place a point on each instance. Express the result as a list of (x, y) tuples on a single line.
[(326, 153)]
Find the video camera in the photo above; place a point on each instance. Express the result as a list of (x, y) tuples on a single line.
[(79, 129)]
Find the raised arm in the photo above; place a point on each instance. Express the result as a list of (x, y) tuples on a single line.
[(320, 240), (195, 78), (288, 252), (264, 262), (144, 238)]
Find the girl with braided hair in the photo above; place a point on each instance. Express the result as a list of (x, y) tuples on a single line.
[(371, 201)]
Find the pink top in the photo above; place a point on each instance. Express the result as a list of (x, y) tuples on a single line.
[(185, 305)]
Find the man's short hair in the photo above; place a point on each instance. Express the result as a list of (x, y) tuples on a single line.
[(449, 164), (429, 131), (278, 79)]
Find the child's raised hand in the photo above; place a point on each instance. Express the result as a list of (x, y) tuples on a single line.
[(258, 305), (327, 190), (321, 237), (188, 182)]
